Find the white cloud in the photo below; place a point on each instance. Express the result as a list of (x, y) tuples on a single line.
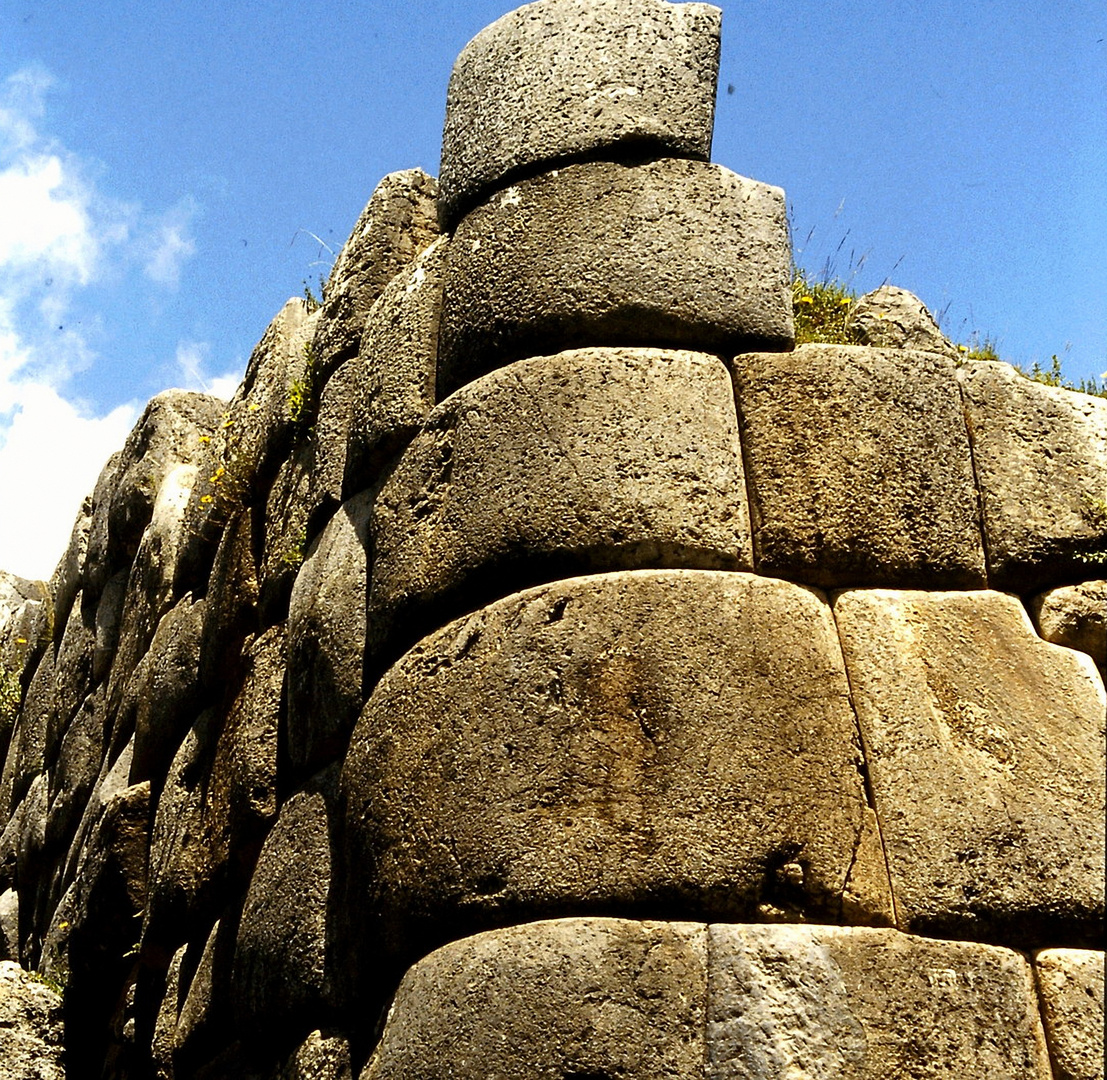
[(59, 234), (192, 361)]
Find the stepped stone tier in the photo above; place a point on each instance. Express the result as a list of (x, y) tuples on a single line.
[(542, 668)]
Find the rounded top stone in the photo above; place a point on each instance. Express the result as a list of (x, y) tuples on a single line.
[(561, 80)]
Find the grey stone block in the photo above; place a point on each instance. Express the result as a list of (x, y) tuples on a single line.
[(985, 748), (594, 459), (672, 253), (570, 998), (640, 741), (1041, 463), (569, 79), (825, 1002), (859, 465), (1070, 982)]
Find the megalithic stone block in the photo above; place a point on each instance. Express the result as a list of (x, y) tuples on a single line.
[(594, 459), (672, 253), (570, 79), (641, 741)]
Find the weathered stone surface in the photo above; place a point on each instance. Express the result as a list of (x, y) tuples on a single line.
[(66, 579), (1075, 616), (168, 699), (893, 318), (398, 222), (280, 970), (1070, 982), (76, 769), (594, 459), (397, 363), (326, 638), (205, 1024), (642, 741), (1041, 464), (859, 466), (96, 566), (165, 1023), (9, 925), (284, 537), (231, 607), (567, 79), (569, 998), (985, 750), (321, 1056), (30, 1027), (670, 253), (821, 1002)]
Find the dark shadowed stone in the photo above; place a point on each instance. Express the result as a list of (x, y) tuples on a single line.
[(985, 749), (585, 998), (1070, 982), (96, 565), (859, 468), (645, 742), (568, 79), (321, 1056), (77, 768), (594, 459), (109, 614), (671, 253), (825, 1002), (287, 509), (1075, 616), (326, 638), (398, 363), (31, 1036), (1041, 464), (169, 690), (205, 1025), (398, 222), (165, 1022), (66, 579), (893, 318), (280, 976)]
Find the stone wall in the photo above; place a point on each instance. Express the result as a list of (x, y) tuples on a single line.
[(541, 668)]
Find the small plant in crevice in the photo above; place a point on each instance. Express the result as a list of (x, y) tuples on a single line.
[(820, 309), (1056, 377), (301, 391)]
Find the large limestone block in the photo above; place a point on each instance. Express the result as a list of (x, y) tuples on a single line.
[(594, 459), (280, 968), (1075, 616), (398, 222), (1070, 982), (567, 998), (671, 253), (825, 1002), (30, 1027), (397, 366), (641, 741), (985, 749), (570, 79), (326, 638), (1041, 463), (859, 468)]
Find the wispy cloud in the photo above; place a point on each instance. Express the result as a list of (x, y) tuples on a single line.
[(59, 234), (192, 363)]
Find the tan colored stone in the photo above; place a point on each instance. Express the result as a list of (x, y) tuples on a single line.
[(674, 253), (838, 1003), (1041, 464), (859, 468), (1070, 982), (595, 459), (30, 1027), (643, 741), (1075, 616), (568, 998), (985, 748), (569, 79), (893, 318)]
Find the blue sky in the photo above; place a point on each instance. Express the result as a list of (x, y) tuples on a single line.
[(163, 166)]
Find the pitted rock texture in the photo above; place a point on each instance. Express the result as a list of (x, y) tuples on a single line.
[(893, 318), (30, 1027), (1071, 985), (860, 471), (985, 750), (814, 1001), (644, 741), (569, 79), (1075, 616), (1041, 465), (670, 253), (590, 460), (572, 998)]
